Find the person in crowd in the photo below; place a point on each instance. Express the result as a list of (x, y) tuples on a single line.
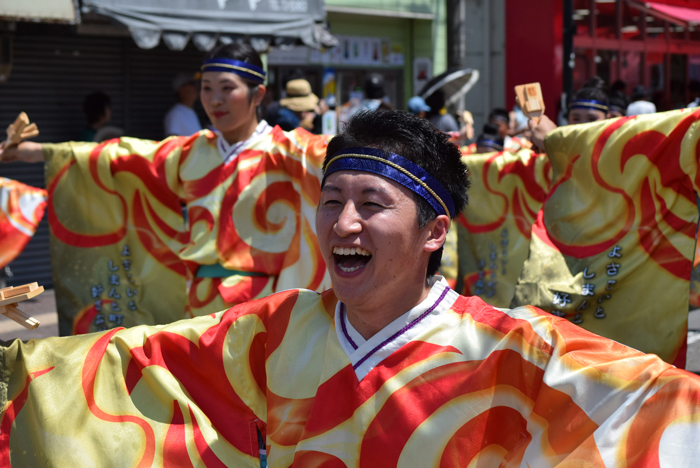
[(182, 119), (417, 106), (504, 122), (500, 118), (640, 102), (467, 130), (489, 140), (249, 192), (618, 103), (390, 368), (694, 90), (438, 115), (590, 103), (619, 87), (374, 94), (97, 108), (298, 108)]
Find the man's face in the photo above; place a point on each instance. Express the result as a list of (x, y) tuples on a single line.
[(367, 228), (503, 127)]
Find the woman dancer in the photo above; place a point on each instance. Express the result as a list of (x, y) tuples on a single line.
[(122, 252)]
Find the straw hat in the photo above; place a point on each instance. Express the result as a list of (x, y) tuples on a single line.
[(299, 96)]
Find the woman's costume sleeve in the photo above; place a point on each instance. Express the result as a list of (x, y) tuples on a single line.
[(507, 190), (116, 224)]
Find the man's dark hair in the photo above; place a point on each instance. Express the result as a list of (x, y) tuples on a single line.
[(618, 86), (243, 53), (415, 139), (499, 114), (95, 105), (619, 100), (639, 93)]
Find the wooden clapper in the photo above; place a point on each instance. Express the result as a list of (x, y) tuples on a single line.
[(20, 130), (530, 100), (10, 297)]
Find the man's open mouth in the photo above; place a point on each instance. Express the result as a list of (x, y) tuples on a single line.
[(351, 259)]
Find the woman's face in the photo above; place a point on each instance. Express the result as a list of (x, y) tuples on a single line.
[(228, 101), (577, 116)]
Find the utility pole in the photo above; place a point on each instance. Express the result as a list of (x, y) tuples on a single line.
[(568, 46), (456, 13)]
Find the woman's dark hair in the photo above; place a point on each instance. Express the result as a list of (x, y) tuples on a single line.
[(95, 105), (242, 52), (417, 140), (594, 89)]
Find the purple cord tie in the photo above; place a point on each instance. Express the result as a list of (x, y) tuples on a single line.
[(342, 324), (400, 332)]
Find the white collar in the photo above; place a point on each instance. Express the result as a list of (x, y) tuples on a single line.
[(365, 355), (230, 151)]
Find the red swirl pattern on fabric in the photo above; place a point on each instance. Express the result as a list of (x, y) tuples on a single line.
[(75, 239), (231, 246), (16, 229), (89, 373), (10, 412), (199, 367), (523, 214)]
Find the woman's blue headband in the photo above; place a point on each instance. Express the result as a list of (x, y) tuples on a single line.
[(244, 70), (588, 104), (397, 168)]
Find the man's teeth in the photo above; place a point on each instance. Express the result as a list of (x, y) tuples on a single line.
[(351, 251), (351, 269)]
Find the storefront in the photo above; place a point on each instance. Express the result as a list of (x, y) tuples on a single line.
[(654, 44), (399, 45)]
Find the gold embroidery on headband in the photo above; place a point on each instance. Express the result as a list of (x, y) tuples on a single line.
[(235, 67), (589, 104), (397, 167)]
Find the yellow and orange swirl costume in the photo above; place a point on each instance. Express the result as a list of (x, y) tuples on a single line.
[(21, 209), (612, 249), (507, 191), (473, 386), (123, 254)]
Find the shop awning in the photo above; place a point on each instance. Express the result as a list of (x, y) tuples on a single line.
[(54, 11), (263, 22), (680, 15)]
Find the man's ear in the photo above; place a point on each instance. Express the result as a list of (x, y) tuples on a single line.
[(437, 232)]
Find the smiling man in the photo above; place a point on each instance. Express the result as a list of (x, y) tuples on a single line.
[(391, 368)]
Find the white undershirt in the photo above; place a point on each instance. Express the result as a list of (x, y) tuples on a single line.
[(365, 355), (230, 151)]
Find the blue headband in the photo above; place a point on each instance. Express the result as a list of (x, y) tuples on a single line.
[(489, 144), (588, 104), (397, 168), (244, 70)]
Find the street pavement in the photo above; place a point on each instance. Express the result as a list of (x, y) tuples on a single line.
[(43, 308)]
